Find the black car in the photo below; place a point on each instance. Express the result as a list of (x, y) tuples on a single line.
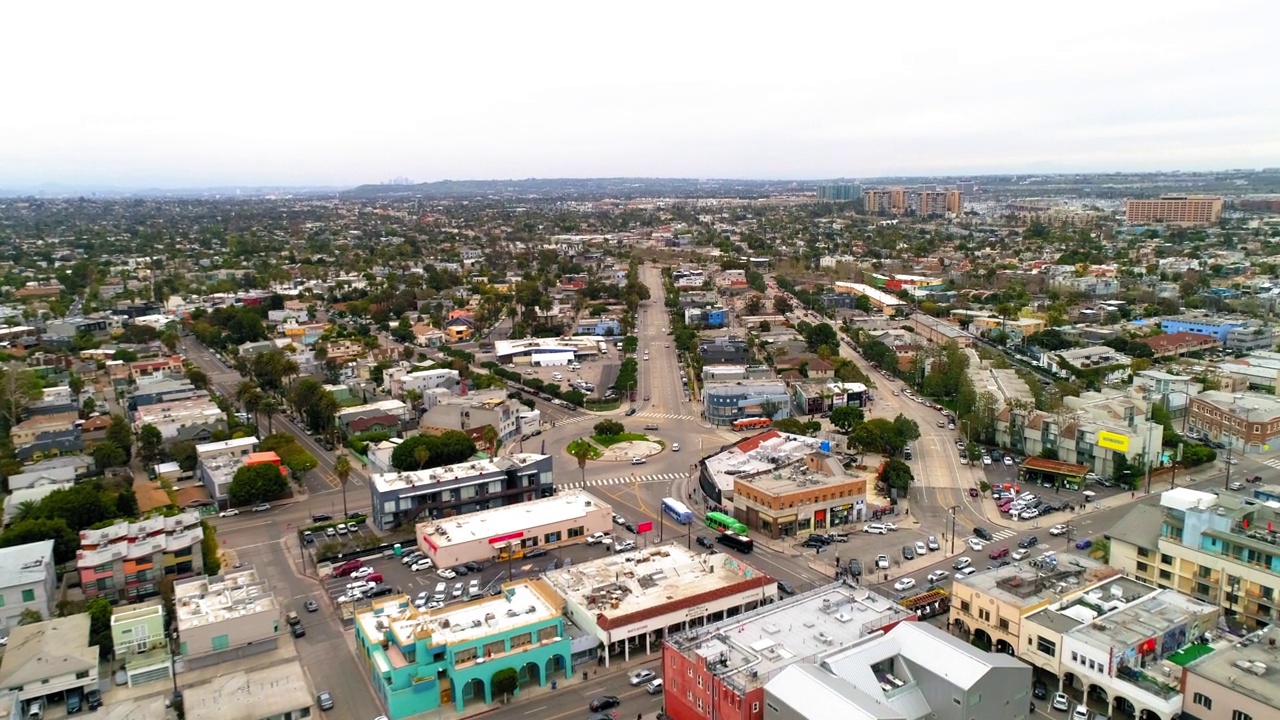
[(461, 570), (908, 552), (1039, 690), (536, 552), (982, 533), (631, 528), (812, 542), (1029, 541), (604, 703), (378, 591), (785, 588), (630, 412), (321, 517), (297, 630), (705, 541), (93, 698), (816, 537), (473, 566), (855, 567)]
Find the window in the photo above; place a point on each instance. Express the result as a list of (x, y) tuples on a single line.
[(495, 648), (548, 632), (964, 606), (1004, 624), (1240, 715), (83, 674), (1166, 575), (699, 681), (984, 615), (221, 642), (576, 532), (1202, 700), (1048, 647), (521, 640), (465, 655), (755, 708), (1075, 656), (699, 704)]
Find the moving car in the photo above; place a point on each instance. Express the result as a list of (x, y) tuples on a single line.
[(1084, 544), (999, 553), (619, 520), (1233, 485), (1058, 530), (1020, 553), (961, 563), (904, 584), (975, 544), (705, 541), (640, 677), (260, 507), (786, 588), (598, 537), (623, 546), (875, 528), (311, 606), (229, 513), (982, 533), (967, 572), (604, 703), (937, 576), (1028, 541)]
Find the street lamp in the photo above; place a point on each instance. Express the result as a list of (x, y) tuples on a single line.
[(953, 509)]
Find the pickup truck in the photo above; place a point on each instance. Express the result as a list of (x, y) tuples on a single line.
[(597, 538)]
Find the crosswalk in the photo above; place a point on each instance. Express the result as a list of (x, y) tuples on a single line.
[(659, 477), (1273, 462), (996, 537), (665, 416), (574, 419)]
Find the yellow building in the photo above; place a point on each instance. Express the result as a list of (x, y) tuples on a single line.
[(1227, 555), (1026, 326), (1175, 210)]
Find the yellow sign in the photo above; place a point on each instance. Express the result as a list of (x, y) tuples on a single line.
[(1113, 441)]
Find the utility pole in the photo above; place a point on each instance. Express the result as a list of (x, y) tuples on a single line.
[(953, 509)]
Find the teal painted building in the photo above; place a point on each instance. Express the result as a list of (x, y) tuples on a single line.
[(421, 660)]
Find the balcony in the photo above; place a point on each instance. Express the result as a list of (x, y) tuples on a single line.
[(1148, 683)]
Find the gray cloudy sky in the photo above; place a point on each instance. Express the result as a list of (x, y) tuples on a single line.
[(201, 93)]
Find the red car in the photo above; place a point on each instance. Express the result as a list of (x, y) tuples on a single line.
[(348, 567), (999, 553), (973, 492)]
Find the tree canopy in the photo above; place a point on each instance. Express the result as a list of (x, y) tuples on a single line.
[(256, 483), (421, 452)]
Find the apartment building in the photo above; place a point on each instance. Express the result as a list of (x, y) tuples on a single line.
[(1091, 430), (126, 560), (44, 660), (876, 201), (442, 492), (225, 617), (29, 430), (912, 672), (955, 202), (1220, 552), (195, 419), (1182, 210), (725, 403), (27, 581), (939, 332), (838, 192), (881, 300), (475, 411), (1245, 422), (723, 671), (138, 637), (400, 380), (1115, 364), (419, 661), (278, 692), (931, 203)]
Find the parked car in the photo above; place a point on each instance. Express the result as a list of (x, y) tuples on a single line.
[(875, 529), (786, 588), (908, 552), (882, 562), (855, 567), (1234, 485), (324, 700), (262, 507), (921, 548), (348, 567), (446, 573)]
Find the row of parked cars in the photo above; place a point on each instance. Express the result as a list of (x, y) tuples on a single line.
[(1025, 506)]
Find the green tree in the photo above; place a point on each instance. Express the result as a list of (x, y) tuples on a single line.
[(846, 417), (184, 453), (108, 455), (65, 540), (76, 384), (88, 406), (504, 682), (80, 506), (581, 451), (127, 504), (896, 474), (256, 483), (448, 448), (790, 425), (121, 434), (608, 428), (30, 616), (863, 303), (770, 409), (99, 610), (150, 441), (209, 549)]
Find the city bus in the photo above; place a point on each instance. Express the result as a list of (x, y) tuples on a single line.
[(724, 523), (677, 510), (751, 424), (741, 543)]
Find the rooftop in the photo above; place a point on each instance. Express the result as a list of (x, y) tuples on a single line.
[(1084, 607), (1035, 581), (197, 409), (26, 564), (752, 648), (215, 598), (267, 692), (1241, 403), (631, 586), (225, 445), (759, 455), (45, 650), (798, 476), (1140, 527), (423, 481), (1149, 618), (1250, 666), (525, 516), (523, 602)]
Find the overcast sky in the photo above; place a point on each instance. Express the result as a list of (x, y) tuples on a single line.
[(180, 94)]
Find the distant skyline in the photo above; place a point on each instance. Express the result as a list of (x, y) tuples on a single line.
[(164, 95)]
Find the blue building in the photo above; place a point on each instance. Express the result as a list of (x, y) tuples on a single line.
[(725, 403), (1219, 329), (599, 326), (422, 660)]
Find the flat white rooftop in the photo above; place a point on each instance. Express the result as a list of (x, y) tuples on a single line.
[(521, 603), (207, 600), (266, 692), (526, 516), (388, 482), (647, 578)]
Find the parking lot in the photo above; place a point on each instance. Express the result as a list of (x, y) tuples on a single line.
[(599, 372), (357, 536)]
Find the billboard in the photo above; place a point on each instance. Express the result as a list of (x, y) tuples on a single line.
[(1113, 441), (644, 527)]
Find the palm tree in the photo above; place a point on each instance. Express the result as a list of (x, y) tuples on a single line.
[(269, 406), (26, 510), (580, 449), (490, 437), (421, 455), (342, 468)]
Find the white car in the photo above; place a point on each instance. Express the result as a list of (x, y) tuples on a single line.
[(360, 586), (1061, 701), (882, 562), (875, 529), (423, 598), (986, 460), (975, 544), (598, 537), (624, 546), (1081, 713), (964, 460), (921, 548), (446, 573), (640, 677), (1008, 461), (1029, 514), (1058, 530), (967, 572), (229, 513), (961, 563), (904, 584), (619, 520), (1019, 554), (342, 529), (421, 565), (937, 576), (363, 572), (675, 447), (890, 527)]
